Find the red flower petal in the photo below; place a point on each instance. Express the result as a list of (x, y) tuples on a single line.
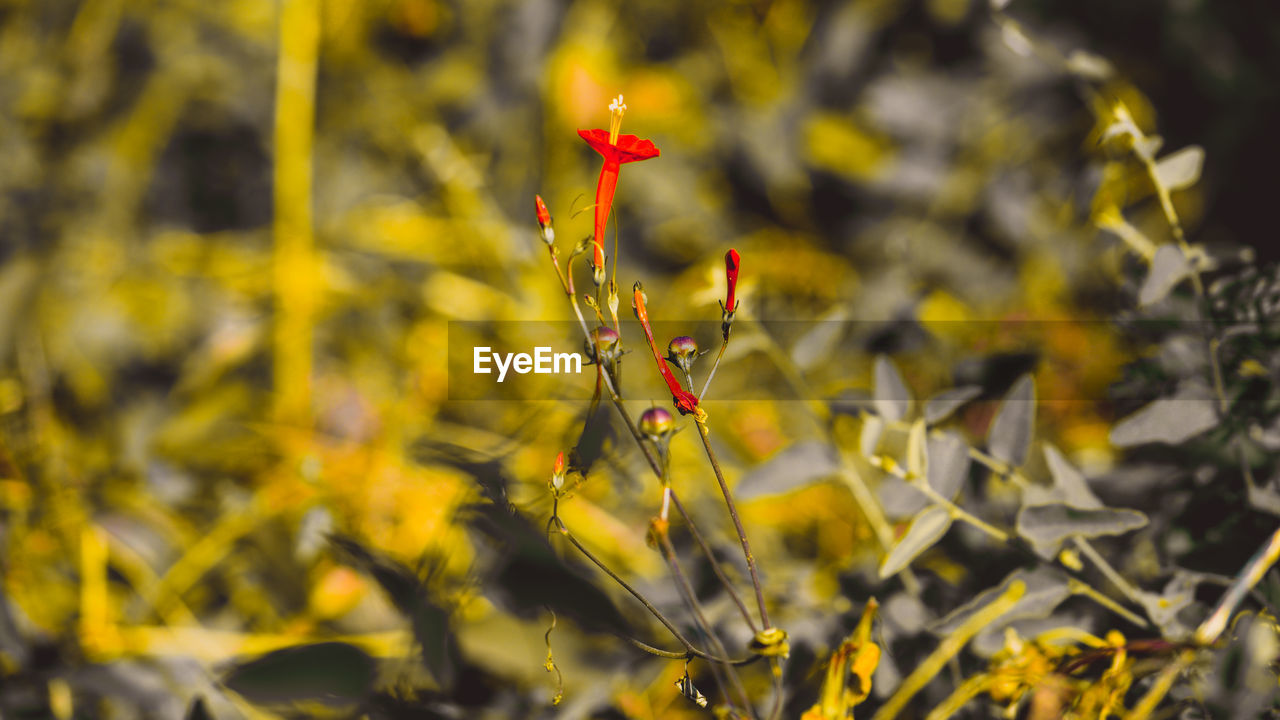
[(633, 149), (629, 148), (598, 140), (544, 215)]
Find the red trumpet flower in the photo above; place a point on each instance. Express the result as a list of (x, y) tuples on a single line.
[(616, 150), (685, 401)]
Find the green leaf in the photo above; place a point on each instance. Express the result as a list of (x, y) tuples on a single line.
[(940, 406), (1046, 526), (891, 398), (927, 528), (1170, 420), (948, 464), (799, 465), (1180, 169), (1009, 438), (1168, 268), (332, 673)]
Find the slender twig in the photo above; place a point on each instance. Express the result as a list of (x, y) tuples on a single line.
[(1160, 687), (737, 521), (689, 647), (691, 600), (1106, 569), (1258, 565), (715, 566)]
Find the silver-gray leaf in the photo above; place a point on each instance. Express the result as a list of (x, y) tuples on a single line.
[(940, 406), (927, 528), (891, 397), (1010, 436)]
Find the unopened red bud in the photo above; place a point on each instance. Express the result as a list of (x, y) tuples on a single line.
[(682, 351), (686, 402), (731, 264), (544, 220), (656, 423), (557, 473)]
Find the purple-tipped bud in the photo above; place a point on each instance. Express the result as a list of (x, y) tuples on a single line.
[(682, 351), (656, 423), (604, 345)]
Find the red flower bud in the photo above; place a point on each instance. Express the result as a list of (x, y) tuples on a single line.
[(557, 473), (544, 220), (685, 401), (731, 278)]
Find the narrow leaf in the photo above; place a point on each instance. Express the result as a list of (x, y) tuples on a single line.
[(1046, 526), (891, 397), (799, 465), (1068, 482), (900, 498), (1180, 169), (1168, 268), (927, 528), (1170, 420), (1010, 436), (948, 464), (869, 440), (330, 672), (816, 345), (917, 450), (1046, 589), (940, 406)]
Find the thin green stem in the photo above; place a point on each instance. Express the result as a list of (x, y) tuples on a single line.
[(714, 367)]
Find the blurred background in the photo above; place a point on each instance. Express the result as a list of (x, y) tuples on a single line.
[(233, 236)]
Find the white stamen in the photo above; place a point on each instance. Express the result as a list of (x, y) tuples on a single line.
[(617, 105)]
